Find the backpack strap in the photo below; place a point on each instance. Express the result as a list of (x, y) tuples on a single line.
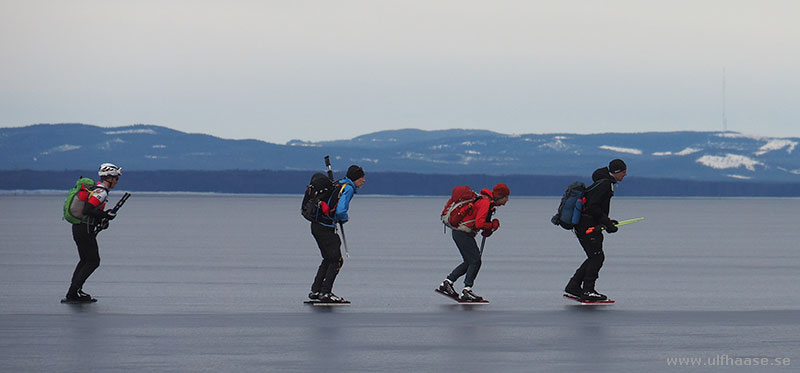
[(338, 197), (594, 185), (95, 186)]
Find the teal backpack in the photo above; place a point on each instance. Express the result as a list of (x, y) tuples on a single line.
[(73, 206)]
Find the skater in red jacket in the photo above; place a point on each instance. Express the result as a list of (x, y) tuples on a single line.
[(478, 218)]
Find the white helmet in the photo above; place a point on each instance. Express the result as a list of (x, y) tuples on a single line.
[(109, 169)]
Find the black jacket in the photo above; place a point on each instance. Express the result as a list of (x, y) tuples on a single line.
[(598, 199)]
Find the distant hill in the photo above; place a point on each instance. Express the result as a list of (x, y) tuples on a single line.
[(701, 156)]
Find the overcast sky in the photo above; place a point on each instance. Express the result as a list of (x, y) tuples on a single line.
[(320, 70)]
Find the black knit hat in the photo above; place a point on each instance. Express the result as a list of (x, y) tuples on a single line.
[(617, 166), (355, 172)]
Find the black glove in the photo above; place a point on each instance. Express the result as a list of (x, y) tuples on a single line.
[(110, 215), (610, 225), (614, 222)]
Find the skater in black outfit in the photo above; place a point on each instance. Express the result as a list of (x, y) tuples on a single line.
[(598, 201), (84, 233), (329, 242)]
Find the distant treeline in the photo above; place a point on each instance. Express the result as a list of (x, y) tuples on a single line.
[(390, 183)]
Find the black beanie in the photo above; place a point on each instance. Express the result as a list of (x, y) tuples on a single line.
[(617, 166), (354, 172)]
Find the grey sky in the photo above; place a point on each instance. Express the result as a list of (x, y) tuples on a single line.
[(316, 70)]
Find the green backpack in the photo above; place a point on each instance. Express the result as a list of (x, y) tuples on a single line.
[(73, 206)]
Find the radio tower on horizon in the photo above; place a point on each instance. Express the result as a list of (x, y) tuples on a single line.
[(724, 117)]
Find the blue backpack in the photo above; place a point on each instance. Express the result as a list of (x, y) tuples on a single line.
[(572, 205)]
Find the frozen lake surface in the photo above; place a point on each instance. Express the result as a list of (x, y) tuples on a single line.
[(216, 283)]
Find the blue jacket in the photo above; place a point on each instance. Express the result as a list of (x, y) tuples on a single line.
[(344, 201)]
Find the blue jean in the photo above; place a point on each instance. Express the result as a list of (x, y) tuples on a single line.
[(470, 254)]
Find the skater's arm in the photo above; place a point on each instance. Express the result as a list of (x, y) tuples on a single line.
[(598, 202), (94, 206), (481, 214), (344, 204), (90, 209)]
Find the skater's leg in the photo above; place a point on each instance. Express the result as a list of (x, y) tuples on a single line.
[(330, 248), (89, 254), (471, 255), (593, 247)]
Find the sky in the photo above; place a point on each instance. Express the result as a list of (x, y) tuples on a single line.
[(324, 70)]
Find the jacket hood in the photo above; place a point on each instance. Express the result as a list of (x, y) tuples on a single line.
[(487, 192), (602, 173)]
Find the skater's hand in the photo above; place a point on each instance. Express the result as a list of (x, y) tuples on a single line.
[(495, 224), (608, 224), (110, 215), (486, 233), (614, 222)]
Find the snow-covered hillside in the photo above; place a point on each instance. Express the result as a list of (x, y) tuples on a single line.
[(679, 155)]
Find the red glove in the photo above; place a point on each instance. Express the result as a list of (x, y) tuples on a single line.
[(495, 225), (486, 233)]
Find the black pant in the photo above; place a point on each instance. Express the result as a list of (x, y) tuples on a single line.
[(329, 246), (589, 271), (89, 255), (470, 254)]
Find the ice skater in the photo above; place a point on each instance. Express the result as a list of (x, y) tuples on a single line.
[(85, 232), (477, 218), (589, 232), (328, 241)]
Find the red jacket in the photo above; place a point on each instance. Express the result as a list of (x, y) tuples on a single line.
[(476, 219)]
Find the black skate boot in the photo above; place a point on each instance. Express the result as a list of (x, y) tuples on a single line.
[(331, 298), (314, 295), (468, 296), (78, 296), (84, 297), (592, 295), (446, 288)]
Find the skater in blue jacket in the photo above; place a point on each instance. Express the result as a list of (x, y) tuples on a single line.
[(329, 242)]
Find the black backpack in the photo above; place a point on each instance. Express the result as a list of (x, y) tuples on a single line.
[(321, 190)]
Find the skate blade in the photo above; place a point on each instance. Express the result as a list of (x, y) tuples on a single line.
[(606, 302), (70, 301), (326, 304)]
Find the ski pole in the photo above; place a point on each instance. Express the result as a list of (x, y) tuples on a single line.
[(344, 239), (328, 165), (626, 222), (341, 226), (488, 219), (103, 223), (121, 202), (619, 224)]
